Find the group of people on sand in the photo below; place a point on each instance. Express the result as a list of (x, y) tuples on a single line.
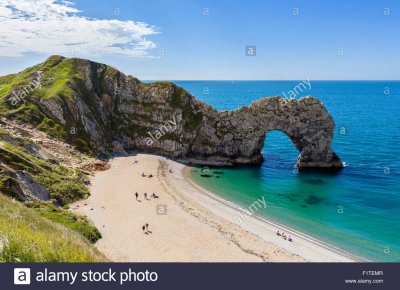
[(146, 196), (145, 229), (289, 238), (149, 176)]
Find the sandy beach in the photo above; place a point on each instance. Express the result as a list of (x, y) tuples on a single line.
[(186, 223)]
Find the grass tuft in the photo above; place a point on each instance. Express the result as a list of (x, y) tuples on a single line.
[(26, 236)]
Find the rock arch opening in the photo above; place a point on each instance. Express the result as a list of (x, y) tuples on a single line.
[(238, 137), (278, 150)]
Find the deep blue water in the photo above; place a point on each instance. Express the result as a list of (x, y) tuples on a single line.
[(357, 209)]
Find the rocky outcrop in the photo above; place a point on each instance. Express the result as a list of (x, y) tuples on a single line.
[(31, 189), (101, 110), (237, 137), (22, 186)]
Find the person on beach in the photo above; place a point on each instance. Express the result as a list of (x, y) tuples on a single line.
[(137, 195), (290, 239), (278, 233), (145, 195), (143, 228), (143, 175), (150, 175), (147, 227)]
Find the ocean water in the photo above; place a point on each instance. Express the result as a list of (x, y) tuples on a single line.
[(357, 209)]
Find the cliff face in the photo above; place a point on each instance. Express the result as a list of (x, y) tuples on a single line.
[(101, 110)]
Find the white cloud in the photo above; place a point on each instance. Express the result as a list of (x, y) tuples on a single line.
[(56, 27)]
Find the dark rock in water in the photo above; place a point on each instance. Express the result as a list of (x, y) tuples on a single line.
[(312, 200), (205, 175), (314, 181), (217, 176), (115, 113), (218, 172), (290, 198), (304, 206)]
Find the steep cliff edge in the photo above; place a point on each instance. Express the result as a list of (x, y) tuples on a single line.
[(100, 110)]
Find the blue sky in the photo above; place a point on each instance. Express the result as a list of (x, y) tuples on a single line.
[(184, 39)]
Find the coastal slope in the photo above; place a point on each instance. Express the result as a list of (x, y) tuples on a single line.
[(26, 236), (44, 176)]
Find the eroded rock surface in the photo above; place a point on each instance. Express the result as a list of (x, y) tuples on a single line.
[(239, 135)]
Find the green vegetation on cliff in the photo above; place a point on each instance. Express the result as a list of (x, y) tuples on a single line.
[(59, 79), (68, 219), (65, 185), (90, 105), (48, 221)]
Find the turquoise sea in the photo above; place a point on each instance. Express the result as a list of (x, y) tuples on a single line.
[(357, 209)]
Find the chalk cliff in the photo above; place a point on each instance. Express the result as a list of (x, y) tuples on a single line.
[(101, 111)]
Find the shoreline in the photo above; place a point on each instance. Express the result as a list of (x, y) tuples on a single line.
[(197, 226), (274, 223)]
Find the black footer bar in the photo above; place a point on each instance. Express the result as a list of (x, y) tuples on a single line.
[(275, 276)]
